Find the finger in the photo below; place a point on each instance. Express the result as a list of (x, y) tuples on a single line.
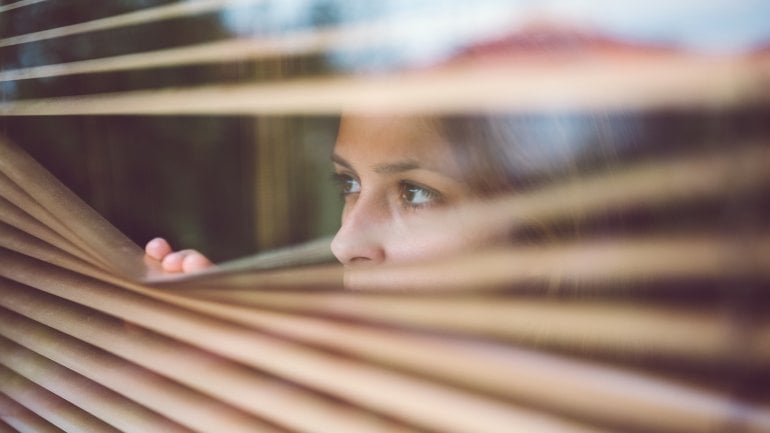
[(173, 261), (195, 261), (185, 261), (157, 248)]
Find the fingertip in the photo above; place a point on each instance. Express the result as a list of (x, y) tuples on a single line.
[(173, 262), (157, 248), (195, 261)]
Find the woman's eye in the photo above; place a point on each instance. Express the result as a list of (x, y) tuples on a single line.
[(348, 184), (417, 196)]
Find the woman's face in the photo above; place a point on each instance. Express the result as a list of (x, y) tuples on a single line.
[(396, 174)]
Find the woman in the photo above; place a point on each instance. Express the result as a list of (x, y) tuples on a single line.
[(397, 173)]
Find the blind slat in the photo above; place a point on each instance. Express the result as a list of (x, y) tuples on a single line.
[(59, 208), (696, 334), (42, 222), (49, 406), (5, 428), (175, 10), (674, 84), (186, 406), (349, 380), (18, 4), (22, 420), (18, 219), (625, 260), (555, 383), (344, 38), (216, 376), (294, 44), (118, 411)]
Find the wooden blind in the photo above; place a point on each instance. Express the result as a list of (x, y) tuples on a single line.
[(660, 328)]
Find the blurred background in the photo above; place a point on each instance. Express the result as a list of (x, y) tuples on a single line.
[(226, 185)]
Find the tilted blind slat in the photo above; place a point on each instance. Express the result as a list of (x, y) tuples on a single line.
[(5, 428), (247, 49), (233, 384), (184, 405), (49, 406), (535, 378), (503, 89), (18, 4), (22, 420), (15, 218), (143, 16), (374, 35), (25, 214), (352, 381), (695, 334), (118, 411), (57, 206)]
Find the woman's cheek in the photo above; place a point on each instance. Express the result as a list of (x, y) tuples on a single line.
[(426, 244)]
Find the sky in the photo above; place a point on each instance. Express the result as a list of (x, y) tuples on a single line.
[(425, 31), (711, 25)]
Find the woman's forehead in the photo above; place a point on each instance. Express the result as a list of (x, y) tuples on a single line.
[(384, 140), (386, 128)]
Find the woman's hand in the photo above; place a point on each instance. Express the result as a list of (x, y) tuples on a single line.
[(176, 261)]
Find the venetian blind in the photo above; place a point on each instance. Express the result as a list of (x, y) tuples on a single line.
[(640, 305)]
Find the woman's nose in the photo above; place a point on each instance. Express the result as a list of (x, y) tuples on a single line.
[(359, 239)]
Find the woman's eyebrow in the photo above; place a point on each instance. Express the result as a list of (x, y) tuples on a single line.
[(385, 168), (341, 161), (396, 167)]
